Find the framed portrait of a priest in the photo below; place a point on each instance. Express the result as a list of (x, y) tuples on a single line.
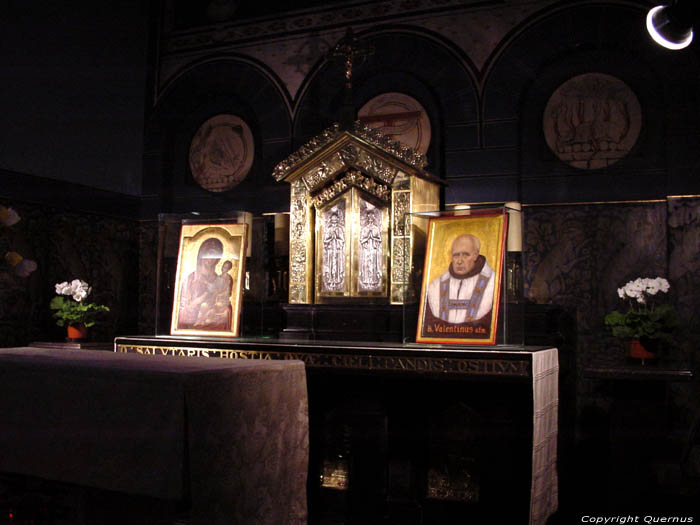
[(461, 288)]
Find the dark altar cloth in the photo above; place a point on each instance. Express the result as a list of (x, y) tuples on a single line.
[(233, 435)]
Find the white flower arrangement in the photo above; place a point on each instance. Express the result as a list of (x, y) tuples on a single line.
[(646, 317), (640, 288), (74, 309), (78, 289)]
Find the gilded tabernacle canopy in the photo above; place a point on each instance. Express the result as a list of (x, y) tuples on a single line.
[(350, 191)]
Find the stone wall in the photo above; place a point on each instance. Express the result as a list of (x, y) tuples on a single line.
[(69, 245)]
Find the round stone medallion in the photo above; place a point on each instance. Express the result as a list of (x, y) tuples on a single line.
[(591, 121), (400, 117), (221, 153)]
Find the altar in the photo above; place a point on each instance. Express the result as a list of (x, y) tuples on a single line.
[(417, 432), (191, 430)]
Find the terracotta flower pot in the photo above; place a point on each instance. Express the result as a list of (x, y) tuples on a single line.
[(638, 351), (76, 332)]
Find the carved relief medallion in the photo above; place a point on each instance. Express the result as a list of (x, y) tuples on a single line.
[(400, 117), (221, 153), (592, 121)]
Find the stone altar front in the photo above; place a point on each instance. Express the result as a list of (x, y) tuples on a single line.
[(407, 398)]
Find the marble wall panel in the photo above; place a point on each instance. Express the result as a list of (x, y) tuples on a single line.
[(684, 272), (69, 245), (148, 276), (684, 258), (576, 256)]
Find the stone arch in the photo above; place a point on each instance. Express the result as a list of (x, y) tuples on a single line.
[(559, 43), (407, 60), (215, 85)]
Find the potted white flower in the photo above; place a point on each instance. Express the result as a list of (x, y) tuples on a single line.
[(648, 320), (72, 310)]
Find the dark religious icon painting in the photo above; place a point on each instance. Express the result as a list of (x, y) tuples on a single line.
[(209, 280), (460, 294)]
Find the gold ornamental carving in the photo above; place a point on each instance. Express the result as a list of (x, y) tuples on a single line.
[(402, 203), (298, 261), (351, 193), (325, 172), (297, 294), (298, 219), (396, 148), (300, 226), (305, 151), (399, 260), (358, 158), (352, 178), (359, 130)]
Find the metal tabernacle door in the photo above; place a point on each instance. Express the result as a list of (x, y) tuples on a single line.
[(352, 252)]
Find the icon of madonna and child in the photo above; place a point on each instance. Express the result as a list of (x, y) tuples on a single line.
[(209, 296)]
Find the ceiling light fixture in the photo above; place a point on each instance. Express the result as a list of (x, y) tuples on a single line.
[(671, 25)]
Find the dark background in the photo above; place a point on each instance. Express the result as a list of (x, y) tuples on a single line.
[(99, 102)]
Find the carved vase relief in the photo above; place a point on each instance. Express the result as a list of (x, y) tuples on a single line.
[(400, 118), (592, 121), (221, 153)]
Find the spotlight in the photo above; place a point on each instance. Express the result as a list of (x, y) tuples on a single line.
[(671, 25)]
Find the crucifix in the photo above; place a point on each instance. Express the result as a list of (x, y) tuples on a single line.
[(352, 52)]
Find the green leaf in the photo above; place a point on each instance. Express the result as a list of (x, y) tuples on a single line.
[(654, 323), (68, 311)]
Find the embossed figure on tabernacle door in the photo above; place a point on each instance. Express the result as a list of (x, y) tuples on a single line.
[(205, 302), (334, 249), (370, 248)]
